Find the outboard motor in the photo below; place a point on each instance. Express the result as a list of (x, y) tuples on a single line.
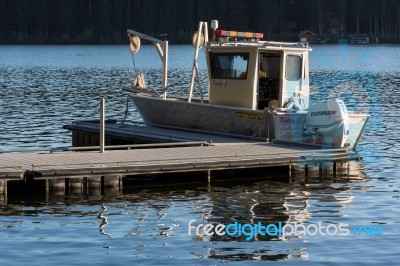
[(328, 123)]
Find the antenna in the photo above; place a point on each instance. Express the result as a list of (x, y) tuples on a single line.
[(214, 24)]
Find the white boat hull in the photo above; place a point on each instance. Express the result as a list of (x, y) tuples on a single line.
[(204, 117), (242, 122)]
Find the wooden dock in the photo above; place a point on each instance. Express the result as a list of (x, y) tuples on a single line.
[(164, 160), (141, 150)]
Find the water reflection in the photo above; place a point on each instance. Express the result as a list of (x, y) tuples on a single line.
[(155, 213), (104, 221)]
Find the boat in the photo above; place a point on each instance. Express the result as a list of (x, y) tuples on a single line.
[(256, 89)]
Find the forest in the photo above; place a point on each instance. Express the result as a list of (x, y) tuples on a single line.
[(106, 21)]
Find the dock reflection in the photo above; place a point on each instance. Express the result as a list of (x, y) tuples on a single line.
[(163, 208), (104, 221)]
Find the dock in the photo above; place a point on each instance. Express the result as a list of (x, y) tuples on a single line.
[(175, 151), (163, 160)]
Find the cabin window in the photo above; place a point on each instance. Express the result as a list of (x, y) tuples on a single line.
[(229, 65), (293, 67)]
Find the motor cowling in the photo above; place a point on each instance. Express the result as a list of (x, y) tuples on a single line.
[(328, 123)]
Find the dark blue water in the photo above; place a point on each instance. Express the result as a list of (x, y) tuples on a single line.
[(45, 87)]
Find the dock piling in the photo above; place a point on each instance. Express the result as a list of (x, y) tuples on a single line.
[(334, 169), (94, 182), (111, 181), (102, 127), (3, 187), (75, 184), (56, 184), (320, 166)]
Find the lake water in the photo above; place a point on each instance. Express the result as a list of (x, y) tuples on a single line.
[(45, 87)]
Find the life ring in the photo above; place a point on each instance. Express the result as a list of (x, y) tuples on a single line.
[(134, 44)]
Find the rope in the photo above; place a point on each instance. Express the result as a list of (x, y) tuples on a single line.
[(133, 61), (126, 112), (135, 74)]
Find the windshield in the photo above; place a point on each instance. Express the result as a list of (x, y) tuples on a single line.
[(229, 65)]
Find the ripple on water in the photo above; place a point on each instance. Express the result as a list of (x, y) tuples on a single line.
[(38, 101), (150, 224)]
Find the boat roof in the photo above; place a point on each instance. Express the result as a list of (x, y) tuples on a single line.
[(263, 45), (251, 39)]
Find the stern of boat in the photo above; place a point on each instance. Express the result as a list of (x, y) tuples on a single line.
[(357, 124)]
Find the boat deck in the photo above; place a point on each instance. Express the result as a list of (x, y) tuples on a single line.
[(134, 132)]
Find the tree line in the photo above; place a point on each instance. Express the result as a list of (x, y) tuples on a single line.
[(106, 21)]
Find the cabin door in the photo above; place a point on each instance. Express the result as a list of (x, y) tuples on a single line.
[(269, 79), (293, 78)]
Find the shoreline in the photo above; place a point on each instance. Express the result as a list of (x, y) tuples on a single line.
[(328, 39)]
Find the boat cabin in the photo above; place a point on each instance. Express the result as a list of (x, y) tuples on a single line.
[(246, 72)]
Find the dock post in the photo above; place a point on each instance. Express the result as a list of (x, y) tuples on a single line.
[(3, 187), (94, 182), (111, 181), (320, 165), (75, 185), (102, 108), (94, 187), (112, 185), (57, 184), (3, 199), (165, 69), (85, 185), (334, 169)]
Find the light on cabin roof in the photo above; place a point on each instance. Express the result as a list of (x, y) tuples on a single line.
[(225, 33), (214, 24)]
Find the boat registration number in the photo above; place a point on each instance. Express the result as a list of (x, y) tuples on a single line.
[(249, 115)]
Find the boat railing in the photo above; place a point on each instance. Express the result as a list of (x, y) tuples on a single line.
[(286, 44), (199, 39), (263, 44)]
